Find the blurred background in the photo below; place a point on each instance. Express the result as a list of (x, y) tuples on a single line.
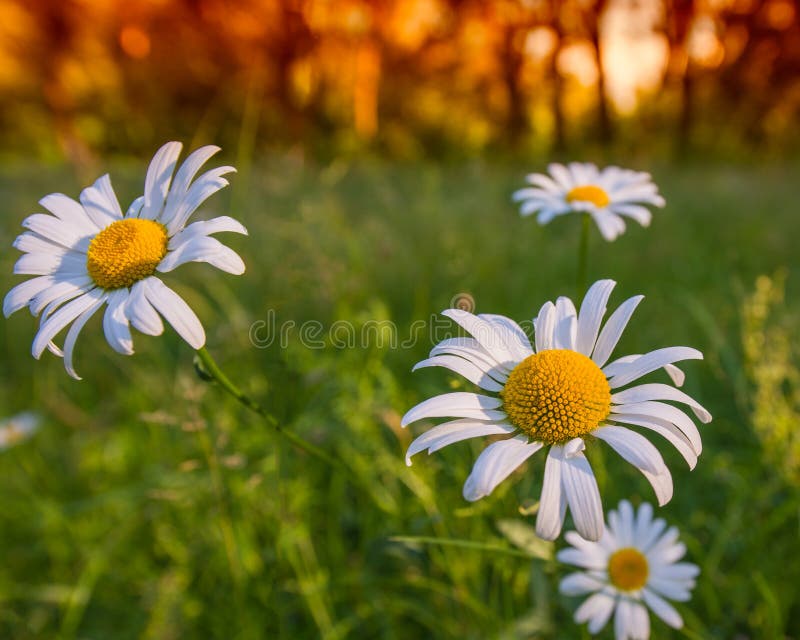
[(377, 146), (401, 78)]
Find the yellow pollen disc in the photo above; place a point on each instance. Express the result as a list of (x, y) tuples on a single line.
[(628, 569), (556, 395), (589, 193), (125, 252)]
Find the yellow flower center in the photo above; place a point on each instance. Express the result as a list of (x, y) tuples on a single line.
[(628, 569), (589, 193), (125, 252), (556, 395)]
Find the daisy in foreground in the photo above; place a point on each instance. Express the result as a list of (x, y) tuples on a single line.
[(633, 566), (606, 195), (88, 254), (559, 392)]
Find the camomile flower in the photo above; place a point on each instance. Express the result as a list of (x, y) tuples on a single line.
[(87, 254), (18, 428), (559, 392), (607, 195), (633, 567)]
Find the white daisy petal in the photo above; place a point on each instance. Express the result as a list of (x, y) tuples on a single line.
[(463, 367), (62, 289), (58, 231), (652, 361), (543, 326), (495, 464), (565, 331), (635, 448), (486, 333), (141, 313), (640, 622), (657, 391), (579, 583), (40, 264), (175, 311), (623, 621), (637, 212), (30, 242), (553, 501), (543, 181), (135, 208), (69, 212), (115, 323), (22, 294), (157, 181), (452, 432), (583, 496), (619, 366), (456, 405), (593, 308), (202, 189), (644, 521), (513, 335), (666, 557), (597, 609), (662, 609), (674, 570), (587, 554), (610, 224), (621, 524), (666, 429), (612, 331), (60, 319), (203, 249), (205, 228), (470, 349), (74, 331), (665, 412), (640, 452), (669, 589), (561, 175), (183, 178), (596, 553), (100, 203)]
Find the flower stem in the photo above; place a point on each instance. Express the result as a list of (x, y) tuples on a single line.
[(213, 371), (583, 255)]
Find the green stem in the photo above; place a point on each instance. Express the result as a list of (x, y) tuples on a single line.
[(211, 368), (583, 255)]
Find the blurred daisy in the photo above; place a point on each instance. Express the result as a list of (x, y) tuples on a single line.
[(88, 254), (634, 566), (559, 392), (607, 195), (18, 428)]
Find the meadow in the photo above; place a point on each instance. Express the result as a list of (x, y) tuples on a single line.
[(151, 505)]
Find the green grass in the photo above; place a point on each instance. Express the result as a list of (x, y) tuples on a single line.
[(150, 505)]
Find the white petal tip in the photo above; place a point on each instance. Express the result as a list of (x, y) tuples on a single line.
[(547, 535), (592, 535)]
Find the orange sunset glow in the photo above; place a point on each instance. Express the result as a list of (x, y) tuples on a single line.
[(406, 76)]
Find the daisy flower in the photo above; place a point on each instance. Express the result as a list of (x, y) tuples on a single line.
[(559, 392), (607, 195), (88, 254), (634, 566), (18, 428)]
